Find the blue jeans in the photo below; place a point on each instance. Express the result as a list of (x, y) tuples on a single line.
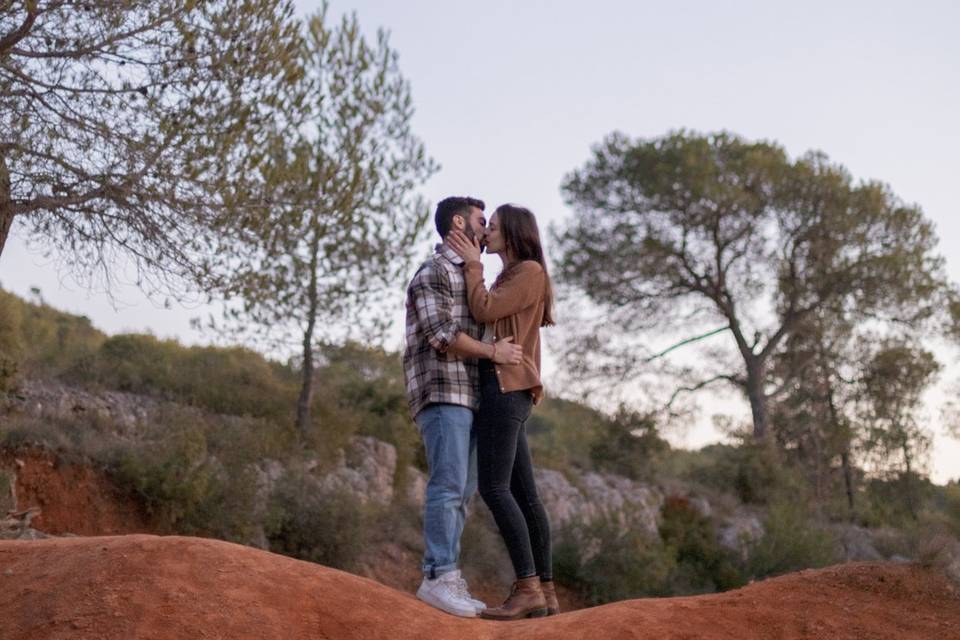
[(451, 444)]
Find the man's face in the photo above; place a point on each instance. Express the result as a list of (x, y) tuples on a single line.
[(476, 226)]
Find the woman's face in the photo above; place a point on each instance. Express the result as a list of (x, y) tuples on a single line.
[(495, 243)]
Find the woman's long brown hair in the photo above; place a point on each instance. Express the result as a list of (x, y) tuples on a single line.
[(522, 239)]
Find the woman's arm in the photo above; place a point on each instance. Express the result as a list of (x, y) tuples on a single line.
[(523, 288)]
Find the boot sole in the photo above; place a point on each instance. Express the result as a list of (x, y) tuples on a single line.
[(535, 613)]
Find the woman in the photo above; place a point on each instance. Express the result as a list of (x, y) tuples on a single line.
[(517, 305)]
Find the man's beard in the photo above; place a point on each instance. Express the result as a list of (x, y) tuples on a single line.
[(471, 234)]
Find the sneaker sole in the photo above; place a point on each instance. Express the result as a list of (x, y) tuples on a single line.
[(467, 612)]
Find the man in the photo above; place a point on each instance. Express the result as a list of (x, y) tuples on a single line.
[(443, 343)]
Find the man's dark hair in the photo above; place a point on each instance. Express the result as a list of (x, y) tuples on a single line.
[(454, 206)]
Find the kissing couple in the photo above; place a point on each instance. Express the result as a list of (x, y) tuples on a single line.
[(472, 372)]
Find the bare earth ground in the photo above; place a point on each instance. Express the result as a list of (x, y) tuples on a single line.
[(72, 498), (78, 499), (144, 586)]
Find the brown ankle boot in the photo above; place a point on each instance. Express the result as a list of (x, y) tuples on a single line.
[(550, 595), (525, 601)]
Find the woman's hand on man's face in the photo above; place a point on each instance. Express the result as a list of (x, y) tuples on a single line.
[(467, 248)]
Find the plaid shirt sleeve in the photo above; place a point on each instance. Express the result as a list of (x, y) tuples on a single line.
[(432, 299)]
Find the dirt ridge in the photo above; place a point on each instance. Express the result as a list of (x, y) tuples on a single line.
[(160, 587)]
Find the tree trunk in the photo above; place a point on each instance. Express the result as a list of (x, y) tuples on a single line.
[(306, 388), (758, 400), (6, 202), (844, 455), (306, 385), (908, 483), (848, 483)]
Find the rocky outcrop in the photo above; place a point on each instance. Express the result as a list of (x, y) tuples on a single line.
[(45, 398), (739, 531), (365, 468), (593, 495)]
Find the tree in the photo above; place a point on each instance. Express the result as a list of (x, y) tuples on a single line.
[(121, 122), (812, 415), (714, 235), (894, 378), (343, 216)]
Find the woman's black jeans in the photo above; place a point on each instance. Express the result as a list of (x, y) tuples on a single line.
[(505, 475)]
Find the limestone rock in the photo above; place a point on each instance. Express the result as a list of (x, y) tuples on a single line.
[(366, 469), (739, 531)]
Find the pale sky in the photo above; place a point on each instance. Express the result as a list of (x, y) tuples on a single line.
[(511, 95)]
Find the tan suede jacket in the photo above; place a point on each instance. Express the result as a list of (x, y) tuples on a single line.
[(515, 306)]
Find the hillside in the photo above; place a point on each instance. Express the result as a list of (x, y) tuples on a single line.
[(127, 434), (152, 587)]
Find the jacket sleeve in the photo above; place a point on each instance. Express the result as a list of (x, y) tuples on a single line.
[(432, 298), (522, 289)]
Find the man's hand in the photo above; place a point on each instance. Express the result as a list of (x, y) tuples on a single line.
[(505, 352), (469, 249)]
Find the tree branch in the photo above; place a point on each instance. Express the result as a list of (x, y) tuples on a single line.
[(683, 342), (701, 385), (7, 42)]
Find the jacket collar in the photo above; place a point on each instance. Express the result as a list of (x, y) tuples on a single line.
[(444, 250)]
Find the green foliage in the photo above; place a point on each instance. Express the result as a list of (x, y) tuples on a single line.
[(179, 89), (232, 380), (483, 552), (329, 527), (344, 216), (361, 390), (948, 503), (134, 363), (702, 565), (48, 341), (898, 500), (612, 557), (183, 483), (174, 475), (76, 438), (893, 437), (685, 233), (792, 540), (752, 470), (606, 562), (11, 341), (562, 432), (630, 446)]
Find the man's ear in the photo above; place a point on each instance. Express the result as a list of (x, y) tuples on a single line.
[(459, 222)]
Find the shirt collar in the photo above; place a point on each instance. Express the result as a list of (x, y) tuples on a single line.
[(448, 253)]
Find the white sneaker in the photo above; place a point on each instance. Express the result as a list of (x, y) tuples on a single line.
[(464, 593), (444, 594)]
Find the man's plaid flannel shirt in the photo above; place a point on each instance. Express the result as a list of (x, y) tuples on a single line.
[(436, 313)]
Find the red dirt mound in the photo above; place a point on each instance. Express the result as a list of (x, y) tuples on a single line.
[(73, 498), (151, 587)]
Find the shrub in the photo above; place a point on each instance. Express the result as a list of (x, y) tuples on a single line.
[(606, 562), (752, 470), (483, 551), (561, 433), (360, 390), (75, 439), (11, 341), (54, 341), (703, 566), (234, 381), (792, 540), (330, 527), (629, 445), (132, 362), (180, 483)]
